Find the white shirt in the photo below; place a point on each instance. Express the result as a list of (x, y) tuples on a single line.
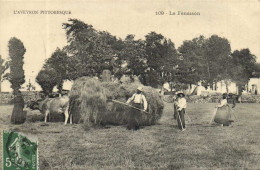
[(223, 103), (138, 98), (167, 86), (181, 103)]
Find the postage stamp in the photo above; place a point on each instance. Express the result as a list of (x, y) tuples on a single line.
[(19, 151)]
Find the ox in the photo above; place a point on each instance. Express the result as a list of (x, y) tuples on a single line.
[(56, 105)]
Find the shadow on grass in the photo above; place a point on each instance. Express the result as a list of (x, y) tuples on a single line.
[(35, 118), (203, 125)]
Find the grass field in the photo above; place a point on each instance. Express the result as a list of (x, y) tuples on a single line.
[(163, 146)]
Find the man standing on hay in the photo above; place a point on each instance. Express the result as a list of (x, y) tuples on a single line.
[(138, 101), (180, 105), (107, 68)]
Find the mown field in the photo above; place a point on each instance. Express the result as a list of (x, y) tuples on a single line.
[(163, 146)]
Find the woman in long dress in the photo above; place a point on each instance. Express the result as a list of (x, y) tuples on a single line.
[(223, 114)]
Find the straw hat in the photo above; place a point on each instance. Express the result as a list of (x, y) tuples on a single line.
[(140, 88)]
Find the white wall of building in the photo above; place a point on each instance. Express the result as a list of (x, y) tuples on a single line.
[(254, 85), (66, 86), (221, 87)]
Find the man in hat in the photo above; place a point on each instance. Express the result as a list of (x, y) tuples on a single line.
[(139, 101), (181, 105), (231, 99), (107, 69)]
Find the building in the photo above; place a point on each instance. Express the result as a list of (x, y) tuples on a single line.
[(221, 87), (253, 86)]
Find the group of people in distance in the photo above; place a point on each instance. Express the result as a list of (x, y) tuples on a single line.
[(222, 114)]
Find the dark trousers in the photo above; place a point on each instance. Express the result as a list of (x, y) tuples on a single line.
[(181, 119), (132, 117), (175, 112)]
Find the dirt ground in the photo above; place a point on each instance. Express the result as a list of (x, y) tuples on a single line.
[(163, 146)]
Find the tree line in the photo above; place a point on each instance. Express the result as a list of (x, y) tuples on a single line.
[(153, 60)]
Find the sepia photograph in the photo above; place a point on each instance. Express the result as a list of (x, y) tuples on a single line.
[(109, 84)]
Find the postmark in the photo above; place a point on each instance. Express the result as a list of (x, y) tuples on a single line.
[(20, 151)]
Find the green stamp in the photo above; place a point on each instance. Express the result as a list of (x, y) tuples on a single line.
[(19, 151)]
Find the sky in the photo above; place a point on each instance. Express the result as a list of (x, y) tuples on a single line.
[(41, 34)]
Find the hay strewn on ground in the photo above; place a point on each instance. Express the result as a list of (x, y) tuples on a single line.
[(96, 106)]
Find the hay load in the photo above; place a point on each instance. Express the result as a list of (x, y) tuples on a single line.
[(88, 98), (95, 102), (155, 103)]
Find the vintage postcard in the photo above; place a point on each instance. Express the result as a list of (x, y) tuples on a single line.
[(112, 84)]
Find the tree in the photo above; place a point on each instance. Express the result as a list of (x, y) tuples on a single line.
[(30, 86), (217, 58), (131, 58), (207, 60), (244, 66), (80, 37), (256, 73), (3, 67), (192, 65), (169, 62), (16, 78), (59, 62), (16, 53), (46, 78), (161, 57), (87, 48)]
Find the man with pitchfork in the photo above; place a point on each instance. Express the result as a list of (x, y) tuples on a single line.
[(181, 105), (139, 103)]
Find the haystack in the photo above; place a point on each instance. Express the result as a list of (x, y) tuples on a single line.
[(96, 102), (88, 94)]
